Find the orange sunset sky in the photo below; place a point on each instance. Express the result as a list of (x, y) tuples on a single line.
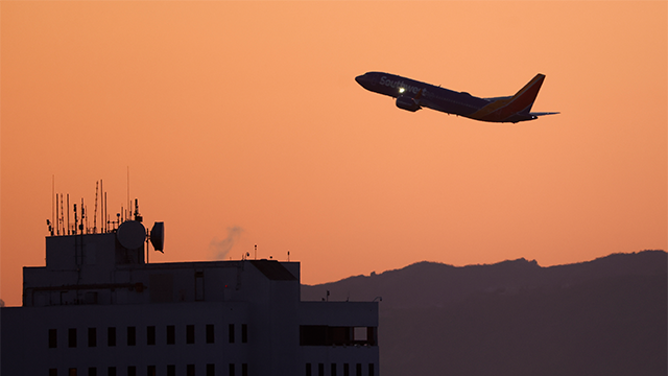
[(244, 119)]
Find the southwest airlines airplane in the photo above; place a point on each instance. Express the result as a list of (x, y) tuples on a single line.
[(413, 95)]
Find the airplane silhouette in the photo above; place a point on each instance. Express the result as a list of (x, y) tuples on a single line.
[(413, 95)]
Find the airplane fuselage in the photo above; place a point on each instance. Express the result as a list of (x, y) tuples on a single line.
[(412, 95)]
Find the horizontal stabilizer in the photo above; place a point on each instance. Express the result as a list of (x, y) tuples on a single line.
[(544, 113)]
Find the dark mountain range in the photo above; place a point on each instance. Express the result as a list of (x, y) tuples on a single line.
[(603, 317)]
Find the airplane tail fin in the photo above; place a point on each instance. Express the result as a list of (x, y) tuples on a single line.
[(523, 99)]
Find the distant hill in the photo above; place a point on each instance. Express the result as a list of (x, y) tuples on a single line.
[(603, 317)]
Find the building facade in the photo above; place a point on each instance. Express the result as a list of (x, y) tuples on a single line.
[(97, 308)]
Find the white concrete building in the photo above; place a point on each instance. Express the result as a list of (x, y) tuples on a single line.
[(97, 308)]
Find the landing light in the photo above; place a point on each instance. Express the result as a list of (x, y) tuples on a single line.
[(401, 89)]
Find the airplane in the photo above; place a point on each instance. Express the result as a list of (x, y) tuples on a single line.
[(412, 95)]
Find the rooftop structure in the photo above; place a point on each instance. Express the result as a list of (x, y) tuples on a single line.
[(98, 308)]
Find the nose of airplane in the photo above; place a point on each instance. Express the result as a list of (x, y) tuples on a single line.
[(362, 79), (359, 79)]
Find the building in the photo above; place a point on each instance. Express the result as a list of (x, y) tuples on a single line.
[(97, 308)]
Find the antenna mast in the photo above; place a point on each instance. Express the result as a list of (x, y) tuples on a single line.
[(53, 207), (95, 213)]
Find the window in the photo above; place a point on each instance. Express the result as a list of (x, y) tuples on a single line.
[(346, 369), (171, 336), (92, 337), (92, 371), (190, 334), (72, 341), (199, 285), (190, 370), (209, 334), (210, 370), (171, 370), (150, 371), (231, 333), (111, 371), (53, 372), (111, 340), (132, 371), (72, 372), (358, 369), (53, 339), (333, 370), (150, 335), (371, 369), (308, 369), (244, 369), (244, 333), (132, 336), (321, 369), (231, 369)]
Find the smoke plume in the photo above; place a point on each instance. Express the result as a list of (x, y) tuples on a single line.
[(221, 248)]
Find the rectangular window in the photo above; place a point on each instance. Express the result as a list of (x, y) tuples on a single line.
[(372, 369), (231, 334), (244, 333), (72, 340), (171, 370), (53, 372), (321, 369), (231, 373), (92, 337), (199, 285), (92, 371), (171, 335), (244, 369), (132, 371), (209, 334), (190, 370), (190, 334), (111, 339), (111, 371), (308, 369), (346, 369), (210, 370), (53, 338), (358, 369), (150, 371), (132, 336), (333, 370), (150, 335), (72, 372)]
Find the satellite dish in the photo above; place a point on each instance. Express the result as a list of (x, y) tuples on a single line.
[(131, 234), (158, 236)]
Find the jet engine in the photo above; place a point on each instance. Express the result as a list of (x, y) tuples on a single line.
[(407, 103)]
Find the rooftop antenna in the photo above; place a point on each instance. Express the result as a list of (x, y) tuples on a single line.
[(62, 215), (102, 208), (57, 222), (288, 256), (138, 217), (76, 220), (53, 205), (95, 213), (256, 251), (83, 215), (69, 229)]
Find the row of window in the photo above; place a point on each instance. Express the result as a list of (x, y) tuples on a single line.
[(210, 370), (333, 369), (131, 335)]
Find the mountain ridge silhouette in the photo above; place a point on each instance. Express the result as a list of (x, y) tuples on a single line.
[(601, 317)]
